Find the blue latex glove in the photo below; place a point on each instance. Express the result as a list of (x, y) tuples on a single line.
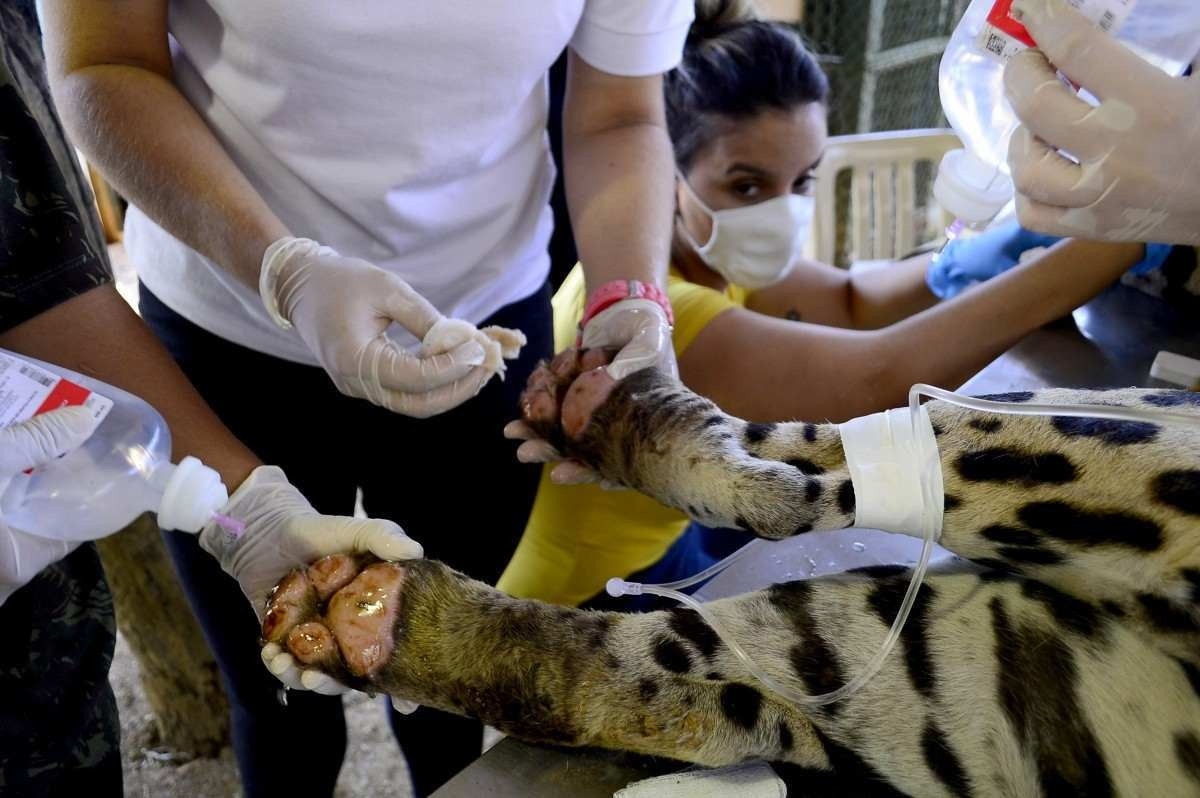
[(967, 261)]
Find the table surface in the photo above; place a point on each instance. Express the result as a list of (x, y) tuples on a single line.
[(1108, 343)]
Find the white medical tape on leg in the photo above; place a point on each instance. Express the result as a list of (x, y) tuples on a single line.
[(887, 459)]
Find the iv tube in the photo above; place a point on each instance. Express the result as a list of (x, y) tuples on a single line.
[(619, 587)]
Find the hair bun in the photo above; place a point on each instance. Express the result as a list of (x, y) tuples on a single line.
[(715, 16)]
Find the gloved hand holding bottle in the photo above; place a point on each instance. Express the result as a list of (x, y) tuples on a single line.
[(965, 262), (342, 307), (26, 445), (1138, 176)]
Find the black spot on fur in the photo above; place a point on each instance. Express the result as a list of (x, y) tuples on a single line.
[(845, 497), (1192, 575), (670, 655), (985, 424), (812, 490), (714, 676), (692, 511), (938, 429), (802, 529), (1193, 675), (810, 432), (1030, 556), (880, 571), (885, 600), (785, 737), (1013, 465), (714, 421), (1012, 396), (1076, 525), (691, 627), (647, 690), (741, 704), (1073, 613), (1118, 433), (943, 762), (812, 657), (593, 627), (1038, 690), (1173, 399), (1010, 535), (745, 526), (757, 433), (951, 502), (1113, 608), (1166, 615), (1187, 749), (1178, 489), (852, 775), (998, 570), (805, 466)]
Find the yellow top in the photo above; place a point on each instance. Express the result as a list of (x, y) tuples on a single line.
[(580, 536)]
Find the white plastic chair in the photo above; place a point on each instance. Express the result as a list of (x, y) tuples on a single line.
[(883, 192)]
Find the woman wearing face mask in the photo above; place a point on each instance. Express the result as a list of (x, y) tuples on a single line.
[(766, 334)]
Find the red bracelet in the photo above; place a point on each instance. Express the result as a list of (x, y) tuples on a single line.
[(616, 291)]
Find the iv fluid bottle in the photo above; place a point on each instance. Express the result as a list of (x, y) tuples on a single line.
[(974, 184), (123, 470)]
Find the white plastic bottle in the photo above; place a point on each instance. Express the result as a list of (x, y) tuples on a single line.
[(123, 470), (973, 183)]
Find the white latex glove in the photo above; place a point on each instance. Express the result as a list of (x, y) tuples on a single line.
[(282, 532), (342, 308), (27, 445), (284, 667), (641, 329), (1138, 176)]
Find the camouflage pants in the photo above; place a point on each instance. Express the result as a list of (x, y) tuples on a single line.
[(59, 733)]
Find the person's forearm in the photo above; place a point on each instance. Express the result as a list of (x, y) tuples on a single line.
[(143, 134), (949, 343), (619, 190), (884, 296), (97, 334)]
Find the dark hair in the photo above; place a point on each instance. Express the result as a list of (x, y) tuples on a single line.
[(735, 66)]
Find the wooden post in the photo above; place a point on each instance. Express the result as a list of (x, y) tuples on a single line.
[(178, 672)]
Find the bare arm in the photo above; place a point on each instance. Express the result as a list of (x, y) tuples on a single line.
[(110, 71), (767, 369), (618, 174), (823, 294), (97, 334)]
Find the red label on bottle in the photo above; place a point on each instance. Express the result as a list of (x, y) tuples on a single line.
[(1002, 19), (63, 394)]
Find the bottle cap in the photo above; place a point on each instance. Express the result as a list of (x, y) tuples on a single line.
[(970, 189), (193, 494)]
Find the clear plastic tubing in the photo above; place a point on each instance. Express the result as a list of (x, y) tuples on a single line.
[(619, 587)]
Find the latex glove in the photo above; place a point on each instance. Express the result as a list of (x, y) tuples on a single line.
[(641, 330), (284, 667), (283, 531), (26, 445), (342, 307), (967, 261), (1138, 176)]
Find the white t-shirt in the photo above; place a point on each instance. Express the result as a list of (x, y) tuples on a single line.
[(409, 134)]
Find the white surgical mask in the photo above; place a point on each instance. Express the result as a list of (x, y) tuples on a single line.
[(754, 246)]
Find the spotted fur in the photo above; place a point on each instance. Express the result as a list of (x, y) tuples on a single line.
[(1062, 659)]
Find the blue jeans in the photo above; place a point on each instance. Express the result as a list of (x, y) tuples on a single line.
[(452, 481)]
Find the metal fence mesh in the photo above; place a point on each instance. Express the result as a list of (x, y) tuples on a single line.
[(882, 60)]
